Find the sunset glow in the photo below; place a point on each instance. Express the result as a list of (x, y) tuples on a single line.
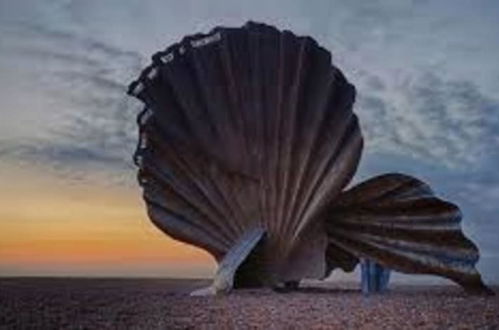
[(51, 228)]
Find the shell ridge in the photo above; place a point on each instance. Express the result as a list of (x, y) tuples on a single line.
[(316, 172), (297, 154), (317, 111), (385, 217), (236, 55), (234, 95), (161, 98), (215, 177), (190, 217), (348, 168), (432, 263), (427, 205), (215, 107), (269, 91), (186, 91), (272, 222), (452, 234), (255, 95), (267, 86), (219, 107), (346, 157), (199, 119), (289, 54), (186, 193), (208, 190), (312, 170), (420, 226), (241, 55), (400, 186), (213, 112), (175, 228), (258, 151), (246, 194), (226, 191), (290, 144), (229, 194)]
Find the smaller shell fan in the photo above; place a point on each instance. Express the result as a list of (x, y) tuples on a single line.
[(398, 222), (247, 128)]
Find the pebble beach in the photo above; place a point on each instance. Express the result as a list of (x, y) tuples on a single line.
[(61, 303)]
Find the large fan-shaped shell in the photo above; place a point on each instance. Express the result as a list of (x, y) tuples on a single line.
[(246, 128)]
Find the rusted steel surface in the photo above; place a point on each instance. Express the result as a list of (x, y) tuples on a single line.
[(253, 127)]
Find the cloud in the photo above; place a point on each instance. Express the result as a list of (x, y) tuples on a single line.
[(89, 78), (424, 116)]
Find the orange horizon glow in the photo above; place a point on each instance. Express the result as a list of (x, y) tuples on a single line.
[(51, 227)]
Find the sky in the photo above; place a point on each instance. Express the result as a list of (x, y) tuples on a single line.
[(426, 74)]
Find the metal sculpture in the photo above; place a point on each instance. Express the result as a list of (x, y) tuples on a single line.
[(247, 142), (374, 277)]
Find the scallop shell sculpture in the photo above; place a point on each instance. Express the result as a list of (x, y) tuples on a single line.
[(247, 141)]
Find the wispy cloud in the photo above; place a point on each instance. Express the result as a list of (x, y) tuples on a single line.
[(90, 78), (448, 122)]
